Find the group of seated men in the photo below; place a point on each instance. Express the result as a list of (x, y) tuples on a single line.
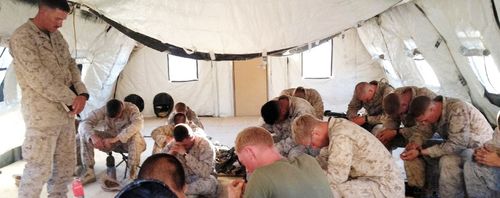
[(331, 157)]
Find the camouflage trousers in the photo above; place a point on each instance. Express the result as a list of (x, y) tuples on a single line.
[(451, 176), (50, 157), (202, 186), (367, 187), (288, 148), (481, 180), (134, 147)]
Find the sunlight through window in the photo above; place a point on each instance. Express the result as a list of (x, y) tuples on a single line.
[(317, 62), (182, 69)]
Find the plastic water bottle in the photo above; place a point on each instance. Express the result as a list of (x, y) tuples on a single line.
[(77, 188), (110, 164)]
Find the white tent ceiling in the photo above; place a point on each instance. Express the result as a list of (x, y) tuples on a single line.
[(238, 26)]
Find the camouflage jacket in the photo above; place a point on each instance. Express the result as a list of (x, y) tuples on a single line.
[(190, 115), (410, 125), (355, 154), (45, 72), (374, 107), (129, 124), (313, 97), (199, 160), (461, 125)]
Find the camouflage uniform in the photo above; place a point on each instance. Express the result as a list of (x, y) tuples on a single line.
[(45, 71), (415, 169), (482, 180), (313, 97), (199, 167), (190, 115), (163, 134), (373, 108), (462, 127), (357, 164), (127, 128), (282, 132)]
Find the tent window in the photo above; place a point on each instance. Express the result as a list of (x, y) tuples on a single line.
[(487, 72), (5, 60), (182, 69), (317, 62), (425, 70)]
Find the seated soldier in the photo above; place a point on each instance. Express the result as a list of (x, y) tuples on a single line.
[(167, 169), (164, 134), (114, 127), (278, 115), (311, 95), (197, 156), (180, 107), (482, 176), (462, 128), (396, 107), (368, 96), (356, 163), (271, 174)]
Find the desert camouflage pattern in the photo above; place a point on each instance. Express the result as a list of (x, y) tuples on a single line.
[(357, 164), (127, 128), (482, 180), (313, 97), (461, 125), (45, 71), (373, 108), (462, 128), (162, 135), (282, 132), (410, 125), (190, 115), (199, 167)]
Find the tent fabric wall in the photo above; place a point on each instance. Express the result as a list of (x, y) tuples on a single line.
[(405, 23), (351, 64), (146, 75), (238, 27), (457, 21)]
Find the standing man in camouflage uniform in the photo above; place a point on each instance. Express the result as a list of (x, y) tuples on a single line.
[(278, 115), (197, 156), (311, 95), (482, 176), (396, 107), (115, 127), (45, 72), (356, 163), (368, 96), (461, 126)]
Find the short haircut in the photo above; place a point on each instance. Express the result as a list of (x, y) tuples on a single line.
[(391, 104), (179, 116), (166, 168), (252, 136), (418, 106), (361, 88), (180, 107), (146, 189), (181, 132), (113, 108), (302, 126), (270, 112), (55, 4)]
